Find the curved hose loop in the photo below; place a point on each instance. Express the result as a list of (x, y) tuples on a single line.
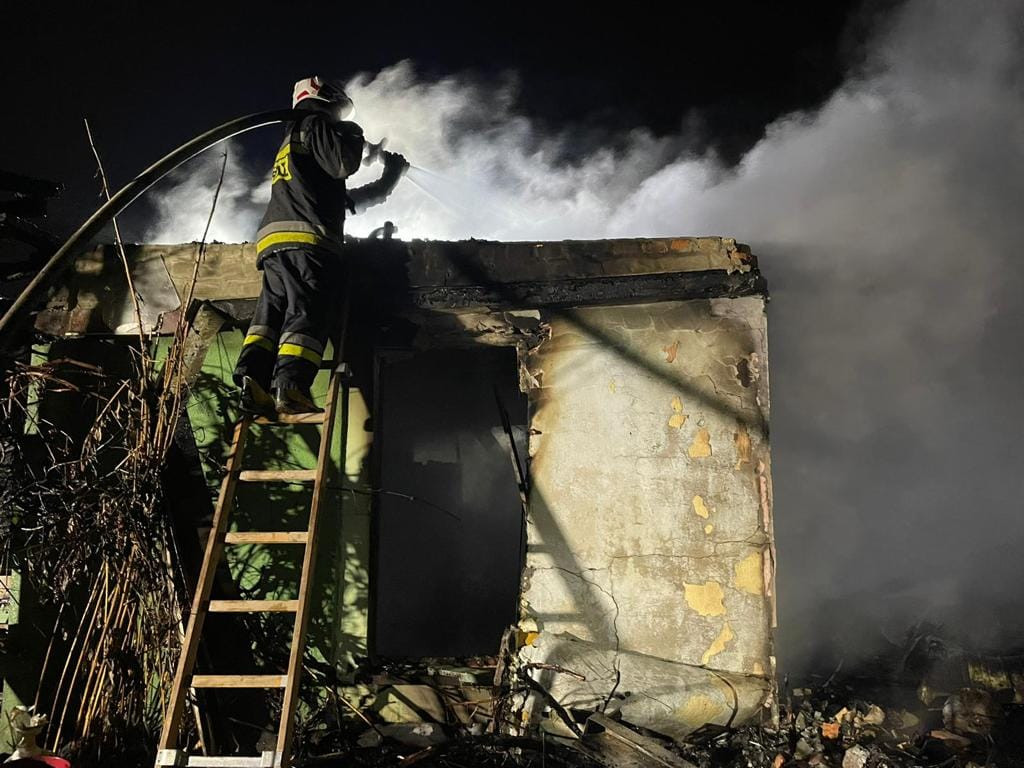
[(130, 192)]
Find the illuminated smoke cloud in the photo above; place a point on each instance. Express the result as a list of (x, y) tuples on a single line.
[(182, 201)]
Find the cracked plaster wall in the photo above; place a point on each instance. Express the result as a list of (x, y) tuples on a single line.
[(650, 524)]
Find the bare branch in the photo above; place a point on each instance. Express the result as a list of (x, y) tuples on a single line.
[(118, 242)]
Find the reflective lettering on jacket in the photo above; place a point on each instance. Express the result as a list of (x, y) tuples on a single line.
[(307, 191), (282, 168)]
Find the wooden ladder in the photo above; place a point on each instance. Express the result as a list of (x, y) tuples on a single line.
[(169, 754)]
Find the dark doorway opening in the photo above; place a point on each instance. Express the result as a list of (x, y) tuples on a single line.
[(446, 563)]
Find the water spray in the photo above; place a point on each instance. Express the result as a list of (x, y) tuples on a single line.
[(413, 178), (454, 194)]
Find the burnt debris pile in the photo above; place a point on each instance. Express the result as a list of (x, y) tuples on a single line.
[(925, 702)]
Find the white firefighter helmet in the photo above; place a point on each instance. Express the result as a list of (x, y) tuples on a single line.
[(329, 92)]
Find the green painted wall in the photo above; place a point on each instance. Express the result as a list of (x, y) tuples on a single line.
[(10, 592)]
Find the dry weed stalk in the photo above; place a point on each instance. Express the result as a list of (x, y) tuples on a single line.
[(88, 528), (82, 515)]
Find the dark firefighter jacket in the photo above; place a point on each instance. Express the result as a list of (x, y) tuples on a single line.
[(307, 191)]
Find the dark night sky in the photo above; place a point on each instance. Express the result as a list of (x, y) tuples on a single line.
[(149, 76)]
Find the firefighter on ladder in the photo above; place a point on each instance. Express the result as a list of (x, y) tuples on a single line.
[(299, 247)]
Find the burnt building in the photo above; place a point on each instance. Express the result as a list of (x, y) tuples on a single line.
[(562, 444)]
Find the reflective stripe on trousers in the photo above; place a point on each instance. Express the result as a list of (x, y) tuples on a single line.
[(294, 315)]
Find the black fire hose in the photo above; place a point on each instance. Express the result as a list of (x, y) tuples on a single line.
[(60, 260)]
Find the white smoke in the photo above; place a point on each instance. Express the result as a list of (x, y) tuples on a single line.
[(183, 201), (887, 222)]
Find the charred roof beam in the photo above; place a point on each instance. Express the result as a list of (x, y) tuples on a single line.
[(618, 289)]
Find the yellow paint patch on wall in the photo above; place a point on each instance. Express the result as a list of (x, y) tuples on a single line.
[(671, 351), (708, 529), (700, 448), (678, 418), (724, 638), (742, 442), (612, 386), (706, 598), (758, 668), (749, 574), (699, 710), (700, 507)]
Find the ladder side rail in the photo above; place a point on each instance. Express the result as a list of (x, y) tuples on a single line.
[(294, 672), (211, 558)]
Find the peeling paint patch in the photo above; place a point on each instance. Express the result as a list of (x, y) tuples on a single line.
[(764, 489), (743, 373), (700, 448), (678, 418), (706, 598), (749, 574), (724, 638), (708, 529), (700, 710), (748, 370), (742, 441), (739, 261), (700, 508), (671, 351)]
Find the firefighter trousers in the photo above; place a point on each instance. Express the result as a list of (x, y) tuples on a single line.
[(295, 313)]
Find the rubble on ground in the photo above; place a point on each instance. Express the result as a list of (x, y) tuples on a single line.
[(824, 726), (925, 703), (819, 729)]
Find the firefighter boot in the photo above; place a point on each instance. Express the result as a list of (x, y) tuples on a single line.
[(294, 400), (255, 400)]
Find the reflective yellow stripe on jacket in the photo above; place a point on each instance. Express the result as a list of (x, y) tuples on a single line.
[(287, 237)]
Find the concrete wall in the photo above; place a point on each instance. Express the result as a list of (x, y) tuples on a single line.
[(650, 525)]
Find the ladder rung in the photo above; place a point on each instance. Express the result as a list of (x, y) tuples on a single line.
[(277, 475), (239, 681), (253, 606), (332, 365), (169, 758), (289, 418), (265, 537), (234, 761)]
